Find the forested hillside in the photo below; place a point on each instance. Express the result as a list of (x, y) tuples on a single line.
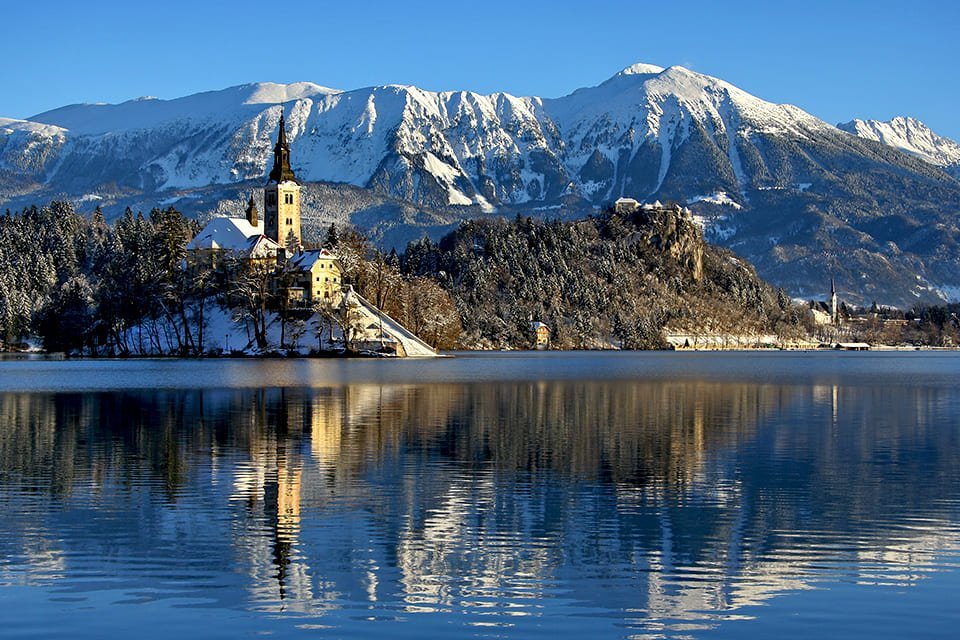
[(81, 285), (614, 280)]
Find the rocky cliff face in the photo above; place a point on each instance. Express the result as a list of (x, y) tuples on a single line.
[(671, 230)]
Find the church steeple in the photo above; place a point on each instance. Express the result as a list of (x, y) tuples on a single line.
[(281, 171), (281, 196), (834, 317)]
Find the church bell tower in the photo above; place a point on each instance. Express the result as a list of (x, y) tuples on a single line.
[(281, 196)]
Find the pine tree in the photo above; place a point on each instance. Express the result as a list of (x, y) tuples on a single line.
[(332, 238)]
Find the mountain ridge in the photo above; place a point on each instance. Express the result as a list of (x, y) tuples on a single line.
[(912, 136), (799, 197)]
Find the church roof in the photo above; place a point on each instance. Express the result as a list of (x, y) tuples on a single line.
[(230, 234), (304, 260)]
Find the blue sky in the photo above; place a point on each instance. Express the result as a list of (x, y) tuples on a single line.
[(837, 60)]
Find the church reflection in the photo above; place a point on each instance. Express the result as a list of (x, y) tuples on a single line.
[(679, 501)]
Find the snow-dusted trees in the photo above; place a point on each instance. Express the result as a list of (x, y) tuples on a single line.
[(40, 250), (251, 293), (424, 307), (67, 323), (608, 281), (417, 302), (81, 285)]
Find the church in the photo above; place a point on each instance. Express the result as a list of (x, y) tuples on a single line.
[(275, 239), (307, 279)]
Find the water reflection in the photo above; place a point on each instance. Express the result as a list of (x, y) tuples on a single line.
[(660, 507)]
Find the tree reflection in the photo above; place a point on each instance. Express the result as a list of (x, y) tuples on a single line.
[(678, 500)]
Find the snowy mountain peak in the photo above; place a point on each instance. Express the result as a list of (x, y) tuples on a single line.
[(272, 93), (208, 106), (10, 125), (641, 68), (910, 135)]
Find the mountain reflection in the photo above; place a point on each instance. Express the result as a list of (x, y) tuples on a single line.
[(677, 502)]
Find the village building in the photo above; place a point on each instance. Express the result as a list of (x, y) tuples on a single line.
[(317, 278), (277, 235), (626, 205), (281, 196), (541, 333)]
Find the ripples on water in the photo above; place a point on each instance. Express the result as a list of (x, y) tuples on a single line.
[(617, 495)]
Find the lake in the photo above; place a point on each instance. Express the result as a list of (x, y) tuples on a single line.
[(497, 495)]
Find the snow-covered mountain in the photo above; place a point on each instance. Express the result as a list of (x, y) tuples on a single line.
[(449, 148), (911, 136), (801, 198)]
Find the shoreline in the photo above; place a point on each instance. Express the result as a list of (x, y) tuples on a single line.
[(340, 355)]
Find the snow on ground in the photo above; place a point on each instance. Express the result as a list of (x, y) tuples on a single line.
[(950, 292), (10, 125), (715, 228), (718, 233), (224, 332), (485, 205), (719, 198), (446, 176)]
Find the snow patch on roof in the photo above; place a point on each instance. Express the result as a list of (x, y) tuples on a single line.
[(304, 260), (231, 234)]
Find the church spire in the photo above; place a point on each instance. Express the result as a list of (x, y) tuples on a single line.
[(834, 311), (281, 171)]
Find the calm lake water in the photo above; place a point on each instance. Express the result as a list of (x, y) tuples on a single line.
[(533, 495)]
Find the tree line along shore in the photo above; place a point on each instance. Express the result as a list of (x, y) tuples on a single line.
[(73, 283)]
